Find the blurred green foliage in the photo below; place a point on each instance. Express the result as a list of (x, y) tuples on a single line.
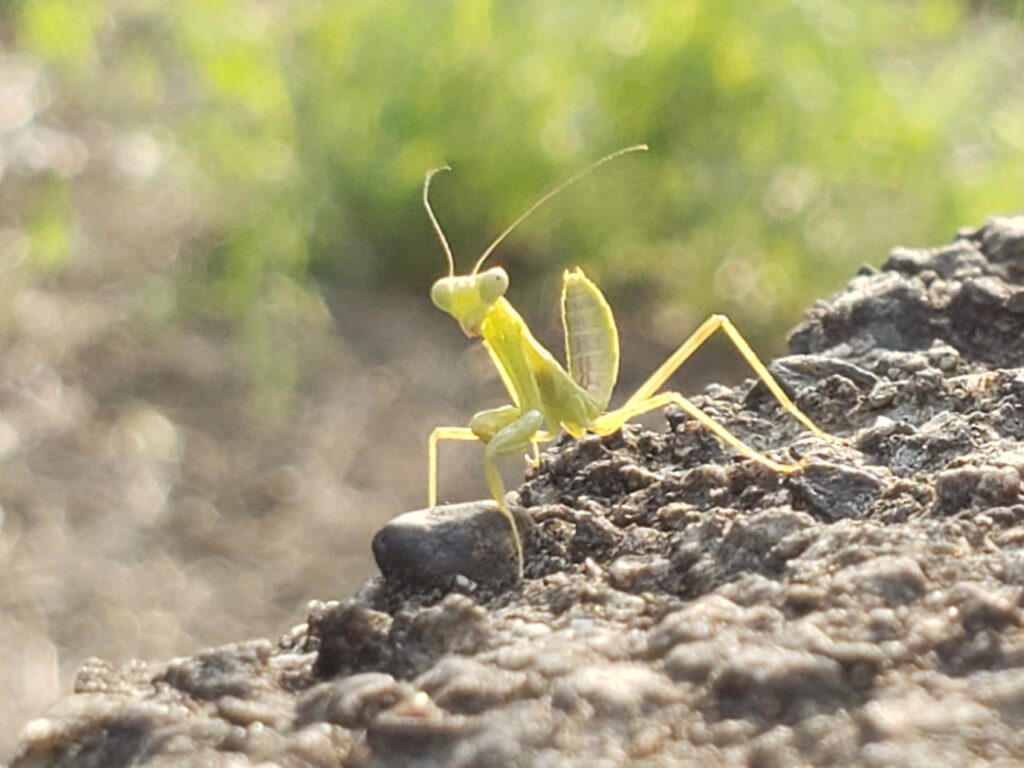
[(790, 140)]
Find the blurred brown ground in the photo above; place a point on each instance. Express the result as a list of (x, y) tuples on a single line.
[(147, 507)]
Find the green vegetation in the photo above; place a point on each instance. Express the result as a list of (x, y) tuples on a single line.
[(790, 140)]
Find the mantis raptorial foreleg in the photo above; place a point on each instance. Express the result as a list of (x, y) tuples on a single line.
[(486, 424), (467, 434), (514, 438), (504, 431)]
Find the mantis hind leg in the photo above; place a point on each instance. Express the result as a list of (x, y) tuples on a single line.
[(645, 398), (614, 420), (646, 391)]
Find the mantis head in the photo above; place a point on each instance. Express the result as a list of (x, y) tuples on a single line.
[(468, 297), (465, 297)]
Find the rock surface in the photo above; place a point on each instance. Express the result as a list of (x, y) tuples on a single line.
[(681, 606)]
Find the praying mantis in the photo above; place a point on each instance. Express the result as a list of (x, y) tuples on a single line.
[(547, 397)]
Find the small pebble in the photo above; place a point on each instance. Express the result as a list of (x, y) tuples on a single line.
[(433, 546)]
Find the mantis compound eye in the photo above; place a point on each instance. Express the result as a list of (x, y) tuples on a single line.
[(493, 284), (441, 294)]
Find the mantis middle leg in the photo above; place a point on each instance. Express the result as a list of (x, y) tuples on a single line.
[(437, 435)]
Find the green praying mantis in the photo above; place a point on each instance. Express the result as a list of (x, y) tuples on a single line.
[(547, 397)]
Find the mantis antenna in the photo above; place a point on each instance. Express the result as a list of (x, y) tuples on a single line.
[(433, 218), (571, 180)]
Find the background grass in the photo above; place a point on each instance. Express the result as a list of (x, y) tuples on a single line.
[(788, 141)]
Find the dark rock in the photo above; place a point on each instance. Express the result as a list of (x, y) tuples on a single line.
[(965, 487), (434, 546), (426, 633), (833, 491), (1002, 241), (887, 311), (965, 295), (593, 534), (348, 637), (795, 372)]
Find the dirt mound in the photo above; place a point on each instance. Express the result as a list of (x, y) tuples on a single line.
[(681, 605)]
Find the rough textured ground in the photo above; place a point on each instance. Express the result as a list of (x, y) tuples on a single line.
[(681, 606)]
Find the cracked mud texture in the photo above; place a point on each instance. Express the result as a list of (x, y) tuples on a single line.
[(680, 606)]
